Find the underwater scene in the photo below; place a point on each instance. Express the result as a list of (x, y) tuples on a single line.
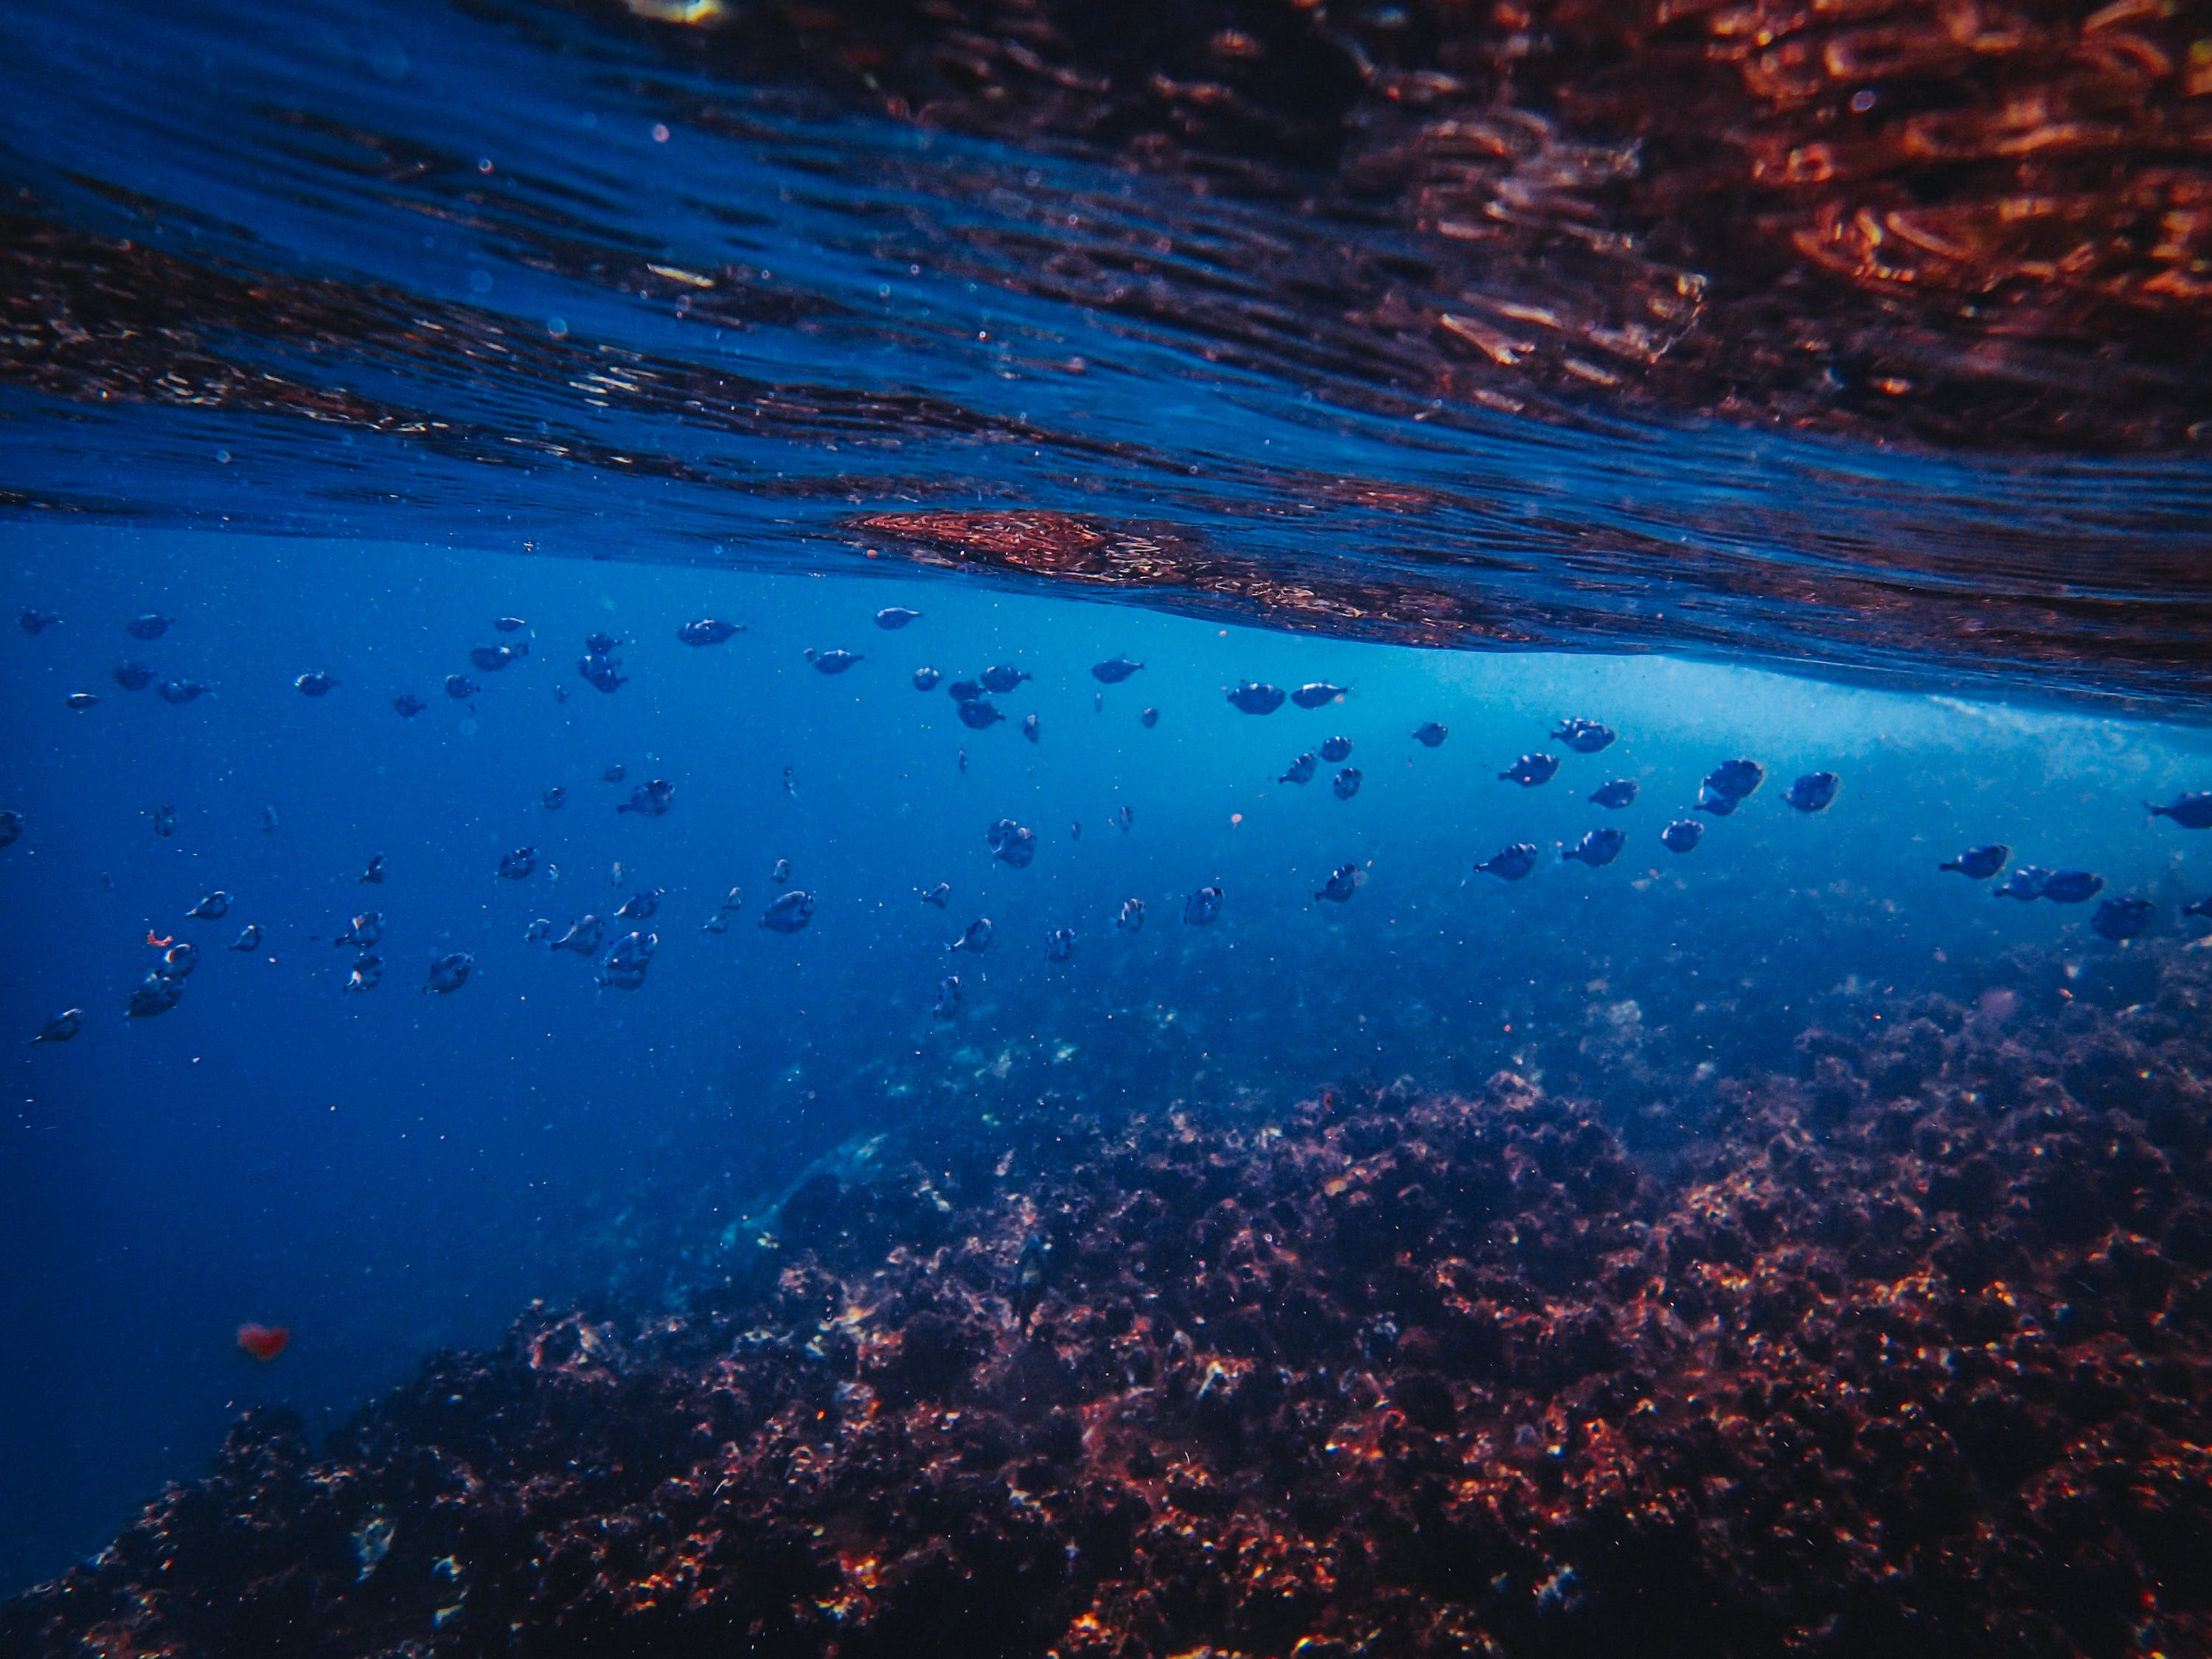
[(1264, 830)]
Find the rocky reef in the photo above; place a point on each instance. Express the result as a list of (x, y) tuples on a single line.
[(1907, 1353)]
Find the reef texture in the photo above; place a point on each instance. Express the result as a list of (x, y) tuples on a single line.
[(1909, 1356)]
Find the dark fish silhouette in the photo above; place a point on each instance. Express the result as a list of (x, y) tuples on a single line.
[(948, 998), (2024, 884), (493, 658), (180, 958), (1335, 749), (268, 820), (1510, 863), (2192, 810), (1149, 718), (11, 826), (460, 687), (1346, 783), (178, 693), (893, 617), (372, 873), (603, 671), (214, 907), (2121, 918), (315, 683), (601, 645), (788, 912), (81, 701), (156, 994), (554, 799), (33, 621), (1075, 830), (509, 624), (976, 937), (1254, 698), (1132, 918), (1980, 863), (1584, 737), (165, 820), (1301, 770), (1032, 1274), (1735, 779), (1615, 795), (1314, 693), (1202, 906), (639, 907), (1710, 800), (925, 679), (448, 973), (717, 923), (133, 676), (1342, 883), (621, 965), (2200, 908), (1029, 727), (964, 691), (1059, 944), (615, 773), (61, 1027), (978, 715), (782, 873), (583, 937), (368, 974), (540, 929), (1114, 669), (249, 939), (515, 866), (649, 800), (1530, 770), (151, 626), (2072, 886), (831, 662), (1125, 817), (1430, 733), (940, 896), (1002, 677), (1813, 793), (708, 630), (364, 930), (1599, 846), (1682, 835), (406, 707), (1011, 842)]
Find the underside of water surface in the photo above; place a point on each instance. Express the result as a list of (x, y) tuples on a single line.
[(1018, 828)]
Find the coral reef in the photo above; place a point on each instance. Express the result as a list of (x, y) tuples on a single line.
[(1908, 1355)]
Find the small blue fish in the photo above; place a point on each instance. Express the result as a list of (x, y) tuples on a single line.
[(1132, 918), (1002, 677), (1059, 944), (2198, 908), (639, 907), (460, 687), (448, 973), (1735, 779), (35, 621), (649, 800), (1254, 698), (925, 679), (1334, 749), (1718, 805), (708, 630), (363, 931), (1599, 846), (554, 799), (494, 659), (978, 715), (180, 958), (1615, 794), (2121, 918), (214, 907), (151, 626), (1346, 783), (788, 912), (583, 937), (133, 676), (964, 691), (1013, 843), (892, 617), (782, 873), (509, 624), (178, 693), (1430, 733), (1149, 718), (315, 683), (603, 671), (1530, 770), (1980, 863), (948, 998), (2024, 884), (61, 1027), (249, 939), (975, 938), (514, 866), (2192, 810), (940, 896), (1510, 863), (1584, 737), (2072, 886), (1202, 906), (1343, 881), (1316, 693), (367, 974), (1682, 835), (1302, 770), (371, 873), (540, 930), (1113, 671), (407, 708), (156, 994), (621, 965), (11, 826), (81, 701), (1029, 727), (1813, 793), (615, 772), (165, 820)]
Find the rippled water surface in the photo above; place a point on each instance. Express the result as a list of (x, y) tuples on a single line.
[(334, 335)]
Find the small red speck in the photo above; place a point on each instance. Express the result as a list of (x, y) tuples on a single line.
[(659, 133), (264, 1342)]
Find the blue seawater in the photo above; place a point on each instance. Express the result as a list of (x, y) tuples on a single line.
[(496, 320)]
